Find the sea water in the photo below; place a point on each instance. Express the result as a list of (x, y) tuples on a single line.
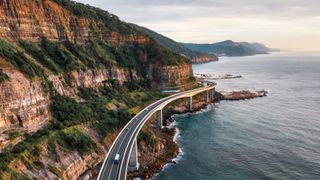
[(274, 137)]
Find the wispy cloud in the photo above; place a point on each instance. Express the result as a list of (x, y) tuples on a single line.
[(275, 22)]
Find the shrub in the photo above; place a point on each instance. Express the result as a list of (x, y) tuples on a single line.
[(147, 137), (73, 138), (20, 61), (3, 76), (40, 56)]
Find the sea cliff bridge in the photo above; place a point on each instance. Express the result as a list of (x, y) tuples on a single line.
[(125, 145)]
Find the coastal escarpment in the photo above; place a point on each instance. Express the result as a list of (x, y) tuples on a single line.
[(204, 59), (172, 76), (71, 75), (30, 20), (24, 105)]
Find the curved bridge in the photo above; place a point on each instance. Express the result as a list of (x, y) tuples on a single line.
[(126, 142)]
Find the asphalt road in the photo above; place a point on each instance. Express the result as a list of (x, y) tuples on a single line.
[(125, 140)]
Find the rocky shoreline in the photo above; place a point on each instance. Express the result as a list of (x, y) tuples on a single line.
[(171, 149), (243, 94)]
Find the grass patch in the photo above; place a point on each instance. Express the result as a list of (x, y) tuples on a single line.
[(3, 76), (20, 61), (13, 135), (147, 136)]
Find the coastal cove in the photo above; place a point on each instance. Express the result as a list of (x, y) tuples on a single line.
[(272, 137)]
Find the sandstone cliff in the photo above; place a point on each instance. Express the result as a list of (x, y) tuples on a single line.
[(29, 20), (204, 59), (55, 47)]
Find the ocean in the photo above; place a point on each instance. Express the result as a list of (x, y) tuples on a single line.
[(274, 137)]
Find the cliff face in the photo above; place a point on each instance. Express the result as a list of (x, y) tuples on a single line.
[(172, 76), (90, 79), (57, 47), (29, 20), (204, 59), (23, 103)]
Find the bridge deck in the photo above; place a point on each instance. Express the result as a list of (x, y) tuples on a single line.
[(125, 140)]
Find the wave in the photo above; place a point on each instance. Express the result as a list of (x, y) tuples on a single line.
[(177, 135)]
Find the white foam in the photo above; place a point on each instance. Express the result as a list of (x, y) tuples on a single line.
[(177, 135)]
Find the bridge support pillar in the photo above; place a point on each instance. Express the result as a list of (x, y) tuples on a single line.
[(133, 161), (207, 96), (159, 119), (212, 92), (189, 103)]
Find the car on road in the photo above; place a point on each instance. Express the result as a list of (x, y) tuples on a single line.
[(117, 158), (127, 129)]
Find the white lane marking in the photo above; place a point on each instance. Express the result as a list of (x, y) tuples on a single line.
[(124, 138), (169, 97), (175, 97)]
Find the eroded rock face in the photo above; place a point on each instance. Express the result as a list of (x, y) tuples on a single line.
[(90, 79), (23, 103), (204, 59), (66, 164), (171, 75), (25, 106), (30, 20), (243, 94)]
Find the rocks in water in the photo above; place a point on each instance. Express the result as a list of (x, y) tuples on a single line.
[(243, 94), (213, 76)]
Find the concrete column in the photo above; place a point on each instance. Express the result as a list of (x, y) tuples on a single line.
[(207, 96), (133, 161), (212, 94), (159, 119), (189, 103)]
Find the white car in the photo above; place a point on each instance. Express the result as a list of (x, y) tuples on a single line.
[(117, 158)]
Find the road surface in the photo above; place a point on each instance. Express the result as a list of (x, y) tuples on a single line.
[(125, 140)]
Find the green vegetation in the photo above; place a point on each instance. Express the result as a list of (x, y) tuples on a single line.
[(30, 150), (66, 131), (147, 136), (171, 44), (230, 48), (3, 76), (13, 135), (74, 139), (20, 61), (112, 22), (40, 56)]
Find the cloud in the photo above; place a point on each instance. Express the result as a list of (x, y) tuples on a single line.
[(213, 20)]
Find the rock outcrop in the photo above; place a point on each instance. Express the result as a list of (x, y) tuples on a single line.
[(90, 79), (23, 102), (30, 20), (242, 95), (171, 76), (204, 59)]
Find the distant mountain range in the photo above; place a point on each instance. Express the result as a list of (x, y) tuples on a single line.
[(194, 55), (230, 48)]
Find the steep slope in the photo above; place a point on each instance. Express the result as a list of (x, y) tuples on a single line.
[(71, 75), (230, 48), (195, 56)]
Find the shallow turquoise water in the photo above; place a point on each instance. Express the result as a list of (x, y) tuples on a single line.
[(276, 137)]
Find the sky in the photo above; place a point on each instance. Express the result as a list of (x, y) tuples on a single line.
[(285, 24)]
